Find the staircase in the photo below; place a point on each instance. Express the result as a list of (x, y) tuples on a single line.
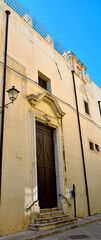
[(51, 219)]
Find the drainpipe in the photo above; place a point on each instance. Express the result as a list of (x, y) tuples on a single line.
[(81, 143), (74, 196), (3, 95)]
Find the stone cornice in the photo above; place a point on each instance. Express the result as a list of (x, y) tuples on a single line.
[(49, 99)]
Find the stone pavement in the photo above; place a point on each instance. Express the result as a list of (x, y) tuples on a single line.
[(73, 231), (89, 231)]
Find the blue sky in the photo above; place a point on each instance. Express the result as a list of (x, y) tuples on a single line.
[(76, 24)]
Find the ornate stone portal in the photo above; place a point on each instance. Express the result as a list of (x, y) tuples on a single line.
[(46, 109)]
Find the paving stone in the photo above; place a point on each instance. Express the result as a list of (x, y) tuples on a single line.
[(64, 232)]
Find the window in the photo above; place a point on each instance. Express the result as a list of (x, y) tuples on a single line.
[(94, 147), (91, 145), (86, 107), (99, 103), (97, 148), (42, 83)]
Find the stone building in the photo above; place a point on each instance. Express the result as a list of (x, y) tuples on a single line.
[(52, 132)]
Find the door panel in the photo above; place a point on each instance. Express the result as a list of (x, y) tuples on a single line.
[(46, 167)]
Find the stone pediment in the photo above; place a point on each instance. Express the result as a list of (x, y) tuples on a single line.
[(48, 98)]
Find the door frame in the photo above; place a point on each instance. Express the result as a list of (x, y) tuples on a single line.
[(58, 155)]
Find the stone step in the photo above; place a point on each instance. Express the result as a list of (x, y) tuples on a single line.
[(52, 218), (51, 225), (45, 210), (49, 214)]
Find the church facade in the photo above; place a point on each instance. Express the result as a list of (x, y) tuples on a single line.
[(52, 132)]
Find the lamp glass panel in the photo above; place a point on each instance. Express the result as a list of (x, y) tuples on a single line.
[(12, 94)]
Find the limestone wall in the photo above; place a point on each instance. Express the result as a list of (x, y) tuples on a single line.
[(28, 54)]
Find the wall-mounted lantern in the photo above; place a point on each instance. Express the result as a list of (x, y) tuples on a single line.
[(12, 93)]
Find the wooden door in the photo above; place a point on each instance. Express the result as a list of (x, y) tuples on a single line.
[(45, 167)]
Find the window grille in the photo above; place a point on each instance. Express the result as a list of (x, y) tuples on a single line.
[(42, 83)]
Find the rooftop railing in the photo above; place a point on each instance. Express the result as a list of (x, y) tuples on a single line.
[(59, 47), (19, 8), (39, 28), (24, 13)]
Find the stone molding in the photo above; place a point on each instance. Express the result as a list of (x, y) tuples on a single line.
[(49, 99)]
